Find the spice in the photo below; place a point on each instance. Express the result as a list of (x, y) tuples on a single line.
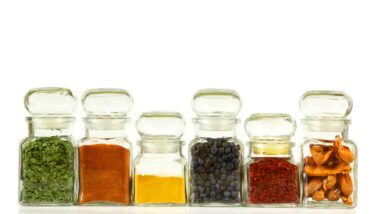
[(157, 189), (327, 172), (272, 181), (104, 173), (47, 170), (215, 171)]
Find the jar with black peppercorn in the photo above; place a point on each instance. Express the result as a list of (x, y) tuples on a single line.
[(329, 157), (215, 155), (272, 172)]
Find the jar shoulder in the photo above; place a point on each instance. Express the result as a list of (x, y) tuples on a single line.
[(205, 140), (41, 140), (346, 142), (111, 141)]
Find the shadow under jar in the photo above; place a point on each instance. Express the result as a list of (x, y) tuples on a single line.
[(215, 155), (329, 158), (48, 156), (105, 152), (272, 172)]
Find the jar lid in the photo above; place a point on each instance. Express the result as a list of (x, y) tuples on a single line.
[(270, 126), (325, 105), (107, 102), (216, 103), (50, 102), (160, 125)]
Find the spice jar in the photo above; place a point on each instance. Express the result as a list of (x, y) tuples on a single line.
[(272, 172), (216, 154), (48, 156), (105, 152), (329, 157), (160, 168)]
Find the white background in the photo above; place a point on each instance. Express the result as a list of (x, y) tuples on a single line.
[(162, 51)]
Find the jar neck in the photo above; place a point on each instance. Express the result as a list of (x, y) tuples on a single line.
[(172, 147), (106, 127), (215, 127), (270, 148), (50, 126), (325, 129)]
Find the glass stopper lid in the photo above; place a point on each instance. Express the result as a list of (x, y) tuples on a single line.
[(50, 102), (107, 102), (325, 104), (161, 125), (216, 102), (270, 126)]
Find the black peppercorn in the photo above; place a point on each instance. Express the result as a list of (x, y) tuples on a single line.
[(216, 167)]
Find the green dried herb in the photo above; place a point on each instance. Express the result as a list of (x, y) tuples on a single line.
[(47, 170)]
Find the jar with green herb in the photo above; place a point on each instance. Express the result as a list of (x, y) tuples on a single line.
[(48, 157)]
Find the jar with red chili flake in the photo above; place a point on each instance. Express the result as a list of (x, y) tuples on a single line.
[(272, 172)]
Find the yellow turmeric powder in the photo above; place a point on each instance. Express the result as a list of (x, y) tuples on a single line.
[(156, 189)]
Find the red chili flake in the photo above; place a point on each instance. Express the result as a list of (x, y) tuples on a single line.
[(272, 181)]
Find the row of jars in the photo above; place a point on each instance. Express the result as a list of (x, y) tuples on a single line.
[(100, 170)]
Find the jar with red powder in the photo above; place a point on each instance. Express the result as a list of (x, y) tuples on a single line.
[(105, 152), (272, 172)]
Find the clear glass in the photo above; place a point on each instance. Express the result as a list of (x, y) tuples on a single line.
[(105, 153), (160, 168), (329, 158), (107, 101), (272, 172), (50, 102), (216, 102), (325, 104), (48, 157), (216, 155)]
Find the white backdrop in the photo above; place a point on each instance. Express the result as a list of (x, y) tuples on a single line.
[(162, 51)]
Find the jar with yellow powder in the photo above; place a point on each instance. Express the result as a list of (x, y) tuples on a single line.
[(160, 168)]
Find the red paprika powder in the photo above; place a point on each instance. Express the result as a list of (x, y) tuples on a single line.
[(104, 173), (272, 181)]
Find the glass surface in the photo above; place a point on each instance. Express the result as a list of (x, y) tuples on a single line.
[(48, 174), (104, 170), (325, 104), (270, 126), (160, 168), (216, 171), (48, 157), (329, 159), (272, 173), (50, 102), (160, 125), (160, 179), (105, 154), (272, 181), (329, 181), (216, 102), (107, 101)]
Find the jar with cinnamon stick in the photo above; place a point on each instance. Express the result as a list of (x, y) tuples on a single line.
[(329, 157), (272, 171), (105, 152)]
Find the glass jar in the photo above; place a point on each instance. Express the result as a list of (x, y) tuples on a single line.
[(216, 154), (329, 157), (160, 168), (105, 152), (272, 172), (47, 173)]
